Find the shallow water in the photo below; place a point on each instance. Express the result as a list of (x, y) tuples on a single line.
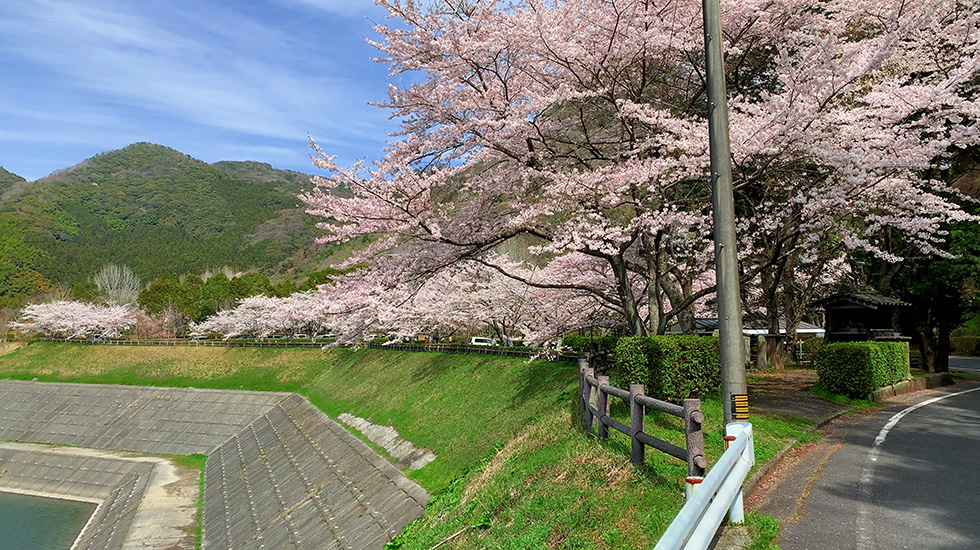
[(34, 523)]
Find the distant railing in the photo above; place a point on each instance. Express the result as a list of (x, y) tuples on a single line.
[(596, 411), (187, 343), (498, 351)]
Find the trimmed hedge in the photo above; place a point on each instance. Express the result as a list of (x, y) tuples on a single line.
[(856, 369), (811, 347), (580, 344), (671, 368)]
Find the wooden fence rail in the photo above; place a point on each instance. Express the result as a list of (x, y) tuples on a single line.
[(596, 411)]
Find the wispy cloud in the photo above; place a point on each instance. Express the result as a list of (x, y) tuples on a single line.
[(273, 71), (349, 8)]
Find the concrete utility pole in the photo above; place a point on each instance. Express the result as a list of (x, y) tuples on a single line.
[(733, 389)]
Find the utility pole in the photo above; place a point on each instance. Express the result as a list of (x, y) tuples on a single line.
[(734, 393)]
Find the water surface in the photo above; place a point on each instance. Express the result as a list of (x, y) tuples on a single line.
[(35, 523)]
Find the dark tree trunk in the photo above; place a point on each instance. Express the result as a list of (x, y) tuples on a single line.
[(940, 358), (624, 289)]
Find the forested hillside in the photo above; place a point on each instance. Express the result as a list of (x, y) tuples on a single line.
[(7, 181), (153, 209)]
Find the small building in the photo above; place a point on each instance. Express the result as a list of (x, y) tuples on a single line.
[(859, 316), (707, 326)]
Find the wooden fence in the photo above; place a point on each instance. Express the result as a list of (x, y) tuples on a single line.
[(596, 411)]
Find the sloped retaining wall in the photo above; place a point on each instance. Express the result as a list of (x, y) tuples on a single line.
[(280, 474), (295, 479)]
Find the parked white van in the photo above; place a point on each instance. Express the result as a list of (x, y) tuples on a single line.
[(480, 341)]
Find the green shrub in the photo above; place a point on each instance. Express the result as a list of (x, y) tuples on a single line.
[(672, 368), (580, 344), (855, 369), (811, 346)]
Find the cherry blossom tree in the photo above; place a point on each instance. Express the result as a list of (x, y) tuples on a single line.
[(70, 319), (476, 298), (259, 316), (579, 129)]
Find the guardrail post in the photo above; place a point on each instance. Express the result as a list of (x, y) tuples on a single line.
[(602, 406), (637, 454), (694, 438), (736, 513), (583, 365)]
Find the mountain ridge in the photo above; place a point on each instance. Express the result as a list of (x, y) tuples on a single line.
[(154, 209)]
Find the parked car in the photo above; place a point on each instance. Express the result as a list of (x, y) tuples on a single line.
[(481, 341), (300, 336), (324, 335)]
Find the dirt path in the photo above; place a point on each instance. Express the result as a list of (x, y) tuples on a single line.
[(789, 393)]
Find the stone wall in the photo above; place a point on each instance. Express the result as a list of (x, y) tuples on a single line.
[(293, 478), (176, 421)]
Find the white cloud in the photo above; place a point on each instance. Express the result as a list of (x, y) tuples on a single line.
[(348, 8), (269, 72)]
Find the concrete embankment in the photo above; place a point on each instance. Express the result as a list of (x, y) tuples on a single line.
[(279, 473)]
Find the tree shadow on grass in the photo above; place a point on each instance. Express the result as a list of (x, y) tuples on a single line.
[(659, 468), (543, 378), (437, 367)]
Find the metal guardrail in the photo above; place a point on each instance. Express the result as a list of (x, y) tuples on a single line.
[(719, 493)]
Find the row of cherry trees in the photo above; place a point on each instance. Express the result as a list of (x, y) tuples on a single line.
[(256, 316), (578, 129)]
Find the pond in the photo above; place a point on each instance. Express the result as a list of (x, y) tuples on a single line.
[(35, 523)]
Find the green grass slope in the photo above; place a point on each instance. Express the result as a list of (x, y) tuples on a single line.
[(515, 469)]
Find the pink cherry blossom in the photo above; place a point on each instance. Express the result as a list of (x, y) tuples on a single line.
[(577, 131), (70, 319)]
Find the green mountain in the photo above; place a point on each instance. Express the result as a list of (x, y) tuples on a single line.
[(153, 209), (8, 181)]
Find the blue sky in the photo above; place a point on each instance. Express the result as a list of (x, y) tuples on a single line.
[(215, 79)]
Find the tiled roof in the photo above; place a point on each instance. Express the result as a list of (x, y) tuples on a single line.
[(867, 299)]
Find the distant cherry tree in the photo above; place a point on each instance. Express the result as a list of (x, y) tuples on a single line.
[(261, 316), (578, 128), (70, 319)]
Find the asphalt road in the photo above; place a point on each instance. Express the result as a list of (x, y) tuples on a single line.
[(964, 363), (903, 478)]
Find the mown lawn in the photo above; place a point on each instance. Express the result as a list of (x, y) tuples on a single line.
[(515, 468)]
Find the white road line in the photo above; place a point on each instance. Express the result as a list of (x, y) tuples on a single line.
[(865, 527)]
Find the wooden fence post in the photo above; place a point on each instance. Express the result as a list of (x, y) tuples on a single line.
[(587, 398), (583, 364), (637, 454), (693, 417), (602, 406)]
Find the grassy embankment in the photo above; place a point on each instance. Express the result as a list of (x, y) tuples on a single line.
[(513, 469)]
